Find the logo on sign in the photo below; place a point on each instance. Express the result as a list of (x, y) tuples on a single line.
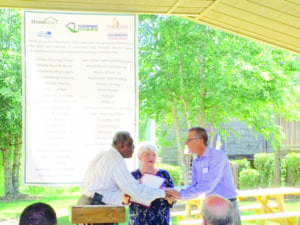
[(74, 28), (48, 20), (116, 30)]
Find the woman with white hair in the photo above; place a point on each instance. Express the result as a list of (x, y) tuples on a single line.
[(159, 211)]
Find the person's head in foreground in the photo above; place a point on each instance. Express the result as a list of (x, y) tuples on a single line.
[(147, 153), (217, 210), (123, 142), (38, 214)]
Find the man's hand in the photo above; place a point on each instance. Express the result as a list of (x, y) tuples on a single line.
[(171, 194)]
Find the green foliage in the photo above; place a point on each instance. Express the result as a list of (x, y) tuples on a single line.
[(242, 164), (264, 166), (10, 94), (249, 179), (2, 186), (283, 172), (199, 72), (264, 163), (293, 169), (10, 77), (174, 171), (143, 122)]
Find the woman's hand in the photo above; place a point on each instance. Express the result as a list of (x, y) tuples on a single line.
[(126, 199)]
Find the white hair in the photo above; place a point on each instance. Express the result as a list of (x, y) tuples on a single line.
[(144, 146)]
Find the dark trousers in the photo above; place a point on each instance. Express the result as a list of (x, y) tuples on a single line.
[(237, 214)]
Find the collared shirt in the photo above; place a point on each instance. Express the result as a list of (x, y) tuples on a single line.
[(108, 175), (211, 174)]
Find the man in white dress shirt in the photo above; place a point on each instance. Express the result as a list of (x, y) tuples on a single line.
[(108, 178)]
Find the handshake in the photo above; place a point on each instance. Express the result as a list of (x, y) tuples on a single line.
[(171, 194)]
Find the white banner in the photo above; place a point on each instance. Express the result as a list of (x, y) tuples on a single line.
[(80, 83)]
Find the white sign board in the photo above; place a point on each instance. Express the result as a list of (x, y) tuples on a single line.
[(80, 87)]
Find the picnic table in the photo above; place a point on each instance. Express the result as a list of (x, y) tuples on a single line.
[(268, 211), (271, 206)]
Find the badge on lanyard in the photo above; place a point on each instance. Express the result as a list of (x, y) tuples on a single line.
[(205, 170)]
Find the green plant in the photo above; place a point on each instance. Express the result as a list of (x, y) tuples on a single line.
[(283, 172), (242, 164), (264, 163), (249, 179), (174, 171), (293, 169)]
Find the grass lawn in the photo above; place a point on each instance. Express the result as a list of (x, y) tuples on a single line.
[(13, 209)]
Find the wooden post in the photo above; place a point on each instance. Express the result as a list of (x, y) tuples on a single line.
[(235, 173)]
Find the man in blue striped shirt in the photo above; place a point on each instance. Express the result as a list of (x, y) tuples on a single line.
[(211, 172)]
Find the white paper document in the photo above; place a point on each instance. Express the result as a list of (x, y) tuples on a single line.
[(151, 181)]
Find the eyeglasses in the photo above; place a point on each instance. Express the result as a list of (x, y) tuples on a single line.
[(190, 139)]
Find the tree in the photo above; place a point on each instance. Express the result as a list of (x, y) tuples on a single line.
[(199, 75), (10, 98)]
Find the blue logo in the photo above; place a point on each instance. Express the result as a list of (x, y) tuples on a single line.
[(44, 34)]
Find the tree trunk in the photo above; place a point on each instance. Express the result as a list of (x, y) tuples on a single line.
[(9, 188), (277, 177), (212, 136), (16, 167), (187, 116), (179, 145), (200, 114)]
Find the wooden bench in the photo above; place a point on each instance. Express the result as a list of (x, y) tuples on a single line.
[(84, 214), (276, 217), (257, 207), (182, 214), (188, 222)]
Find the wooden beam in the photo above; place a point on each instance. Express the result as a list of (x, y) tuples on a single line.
[(173, 7), (212, 5)]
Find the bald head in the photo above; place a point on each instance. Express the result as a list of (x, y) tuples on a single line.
[(217, 210)]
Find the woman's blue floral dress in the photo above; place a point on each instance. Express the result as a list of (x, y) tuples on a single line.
[(159, 212)]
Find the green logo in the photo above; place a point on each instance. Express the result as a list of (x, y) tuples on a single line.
[(72, 27)]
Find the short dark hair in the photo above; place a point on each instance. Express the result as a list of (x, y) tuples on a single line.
[(38, 214), (200, 133), (121, 137)]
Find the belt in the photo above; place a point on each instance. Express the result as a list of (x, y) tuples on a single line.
[(232, 199)]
